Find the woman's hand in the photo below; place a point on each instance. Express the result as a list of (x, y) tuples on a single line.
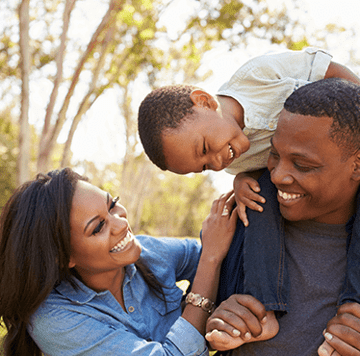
[(218, 229)]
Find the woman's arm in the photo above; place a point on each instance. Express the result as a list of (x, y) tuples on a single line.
[(218, 230)]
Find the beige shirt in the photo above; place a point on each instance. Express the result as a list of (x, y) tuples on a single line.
[(261, 87)]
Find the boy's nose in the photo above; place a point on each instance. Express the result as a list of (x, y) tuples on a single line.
[(216, 163)]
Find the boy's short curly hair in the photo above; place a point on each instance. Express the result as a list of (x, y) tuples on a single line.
[(163, 108), (336, 98)]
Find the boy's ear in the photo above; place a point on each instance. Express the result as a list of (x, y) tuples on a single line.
[(203, 99)]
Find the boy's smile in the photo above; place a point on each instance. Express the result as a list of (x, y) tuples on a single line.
[(205, 141)]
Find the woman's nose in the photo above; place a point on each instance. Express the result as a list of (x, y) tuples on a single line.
[(118, 224)]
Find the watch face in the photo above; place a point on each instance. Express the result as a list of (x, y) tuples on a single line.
[(196, 299), (207, 304)]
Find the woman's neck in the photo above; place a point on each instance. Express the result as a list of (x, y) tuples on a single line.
[(108, 280)]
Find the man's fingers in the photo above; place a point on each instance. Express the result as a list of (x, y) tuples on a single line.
[(350, 347)]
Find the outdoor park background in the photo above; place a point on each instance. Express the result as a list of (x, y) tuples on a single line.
[(73, 73)]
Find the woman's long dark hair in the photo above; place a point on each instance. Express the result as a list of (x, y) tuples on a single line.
[(35, 253)]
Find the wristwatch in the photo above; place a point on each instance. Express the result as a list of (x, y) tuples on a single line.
[(198, 301)]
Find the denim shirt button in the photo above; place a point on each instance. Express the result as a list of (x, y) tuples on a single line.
[(131, 309)]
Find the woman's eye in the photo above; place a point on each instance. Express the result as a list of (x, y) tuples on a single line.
[(99, 227), (113, 203)]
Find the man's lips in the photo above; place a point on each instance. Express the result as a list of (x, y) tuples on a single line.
[(288, 197)]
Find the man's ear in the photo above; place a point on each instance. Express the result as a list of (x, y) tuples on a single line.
[(203, 99), (356, 165)]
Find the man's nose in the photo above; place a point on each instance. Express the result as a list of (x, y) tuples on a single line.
[(280, 174)]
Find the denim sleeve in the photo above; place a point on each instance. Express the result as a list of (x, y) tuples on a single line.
[(61, 332)]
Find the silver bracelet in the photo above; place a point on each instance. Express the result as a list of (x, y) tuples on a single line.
[(198, 301)]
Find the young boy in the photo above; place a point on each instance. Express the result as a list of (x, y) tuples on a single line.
[(185, 129)]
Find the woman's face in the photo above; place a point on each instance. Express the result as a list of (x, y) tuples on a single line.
[(101, 238)]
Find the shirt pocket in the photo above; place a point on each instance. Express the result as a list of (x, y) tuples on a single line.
[(173, 297)]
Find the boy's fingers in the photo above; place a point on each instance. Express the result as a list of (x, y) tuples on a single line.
[(254, 185), (241, 210)]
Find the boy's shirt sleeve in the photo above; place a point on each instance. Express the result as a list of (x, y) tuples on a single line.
[(261, 87)]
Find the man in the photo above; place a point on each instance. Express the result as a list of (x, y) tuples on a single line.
[(300, 257)]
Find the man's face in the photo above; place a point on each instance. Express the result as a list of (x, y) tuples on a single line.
[(206, 141), (313, 181)]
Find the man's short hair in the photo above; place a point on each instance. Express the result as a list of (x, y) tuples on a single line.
[(336, 98), (164, 108)]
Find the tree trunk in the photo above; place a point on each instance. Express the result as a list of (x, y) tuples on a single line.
[(24, 133), (50, 139)]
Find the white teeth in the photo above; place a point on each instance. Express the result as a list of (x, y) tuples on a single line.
[(288, 196), (231, 152), (122, 244)]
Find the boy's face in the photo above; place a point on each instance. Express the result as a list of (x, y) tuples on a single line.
[(205, 141), (313, 181)]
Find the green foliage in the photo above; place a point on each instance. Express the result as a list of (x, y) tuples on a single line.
[(8, 154), (178, 207)]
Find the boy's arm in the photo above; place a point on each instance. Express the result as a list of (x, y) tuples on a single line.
[(336, 70)]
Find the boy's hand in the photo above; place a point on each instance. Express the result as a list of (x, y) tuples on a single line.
[(237, 320), (342, 334), (246, 191)]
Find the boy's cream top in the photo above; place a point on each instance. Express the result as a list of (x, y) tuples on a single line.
[(261, 86)]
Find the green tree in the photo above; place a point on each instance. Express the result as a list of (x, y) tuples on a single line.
[(126, 42)]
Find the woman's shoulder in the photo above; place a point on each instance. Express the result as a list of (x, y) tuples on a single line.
[(169, 249)]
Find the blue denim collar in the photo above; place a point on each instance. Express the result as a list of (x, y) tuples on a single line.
[(84, 294)]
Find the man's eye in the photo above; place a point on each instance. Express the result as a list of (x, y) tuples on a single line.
[(274, 154), (99, 227), (113, 203), (303, 168)]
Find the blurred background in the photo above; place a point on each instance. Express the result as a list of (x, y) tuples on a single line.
[(73, 73)]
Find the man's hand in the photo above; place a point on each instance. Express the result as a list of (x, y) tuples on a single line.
[(238, 320), (342, 334)]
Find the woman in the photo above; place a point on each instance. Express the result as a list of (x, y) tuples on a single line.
[(74, 280)]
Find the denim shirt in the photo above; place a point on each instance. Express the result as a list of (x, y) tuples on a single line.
[(83, 322), (256, 262)]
